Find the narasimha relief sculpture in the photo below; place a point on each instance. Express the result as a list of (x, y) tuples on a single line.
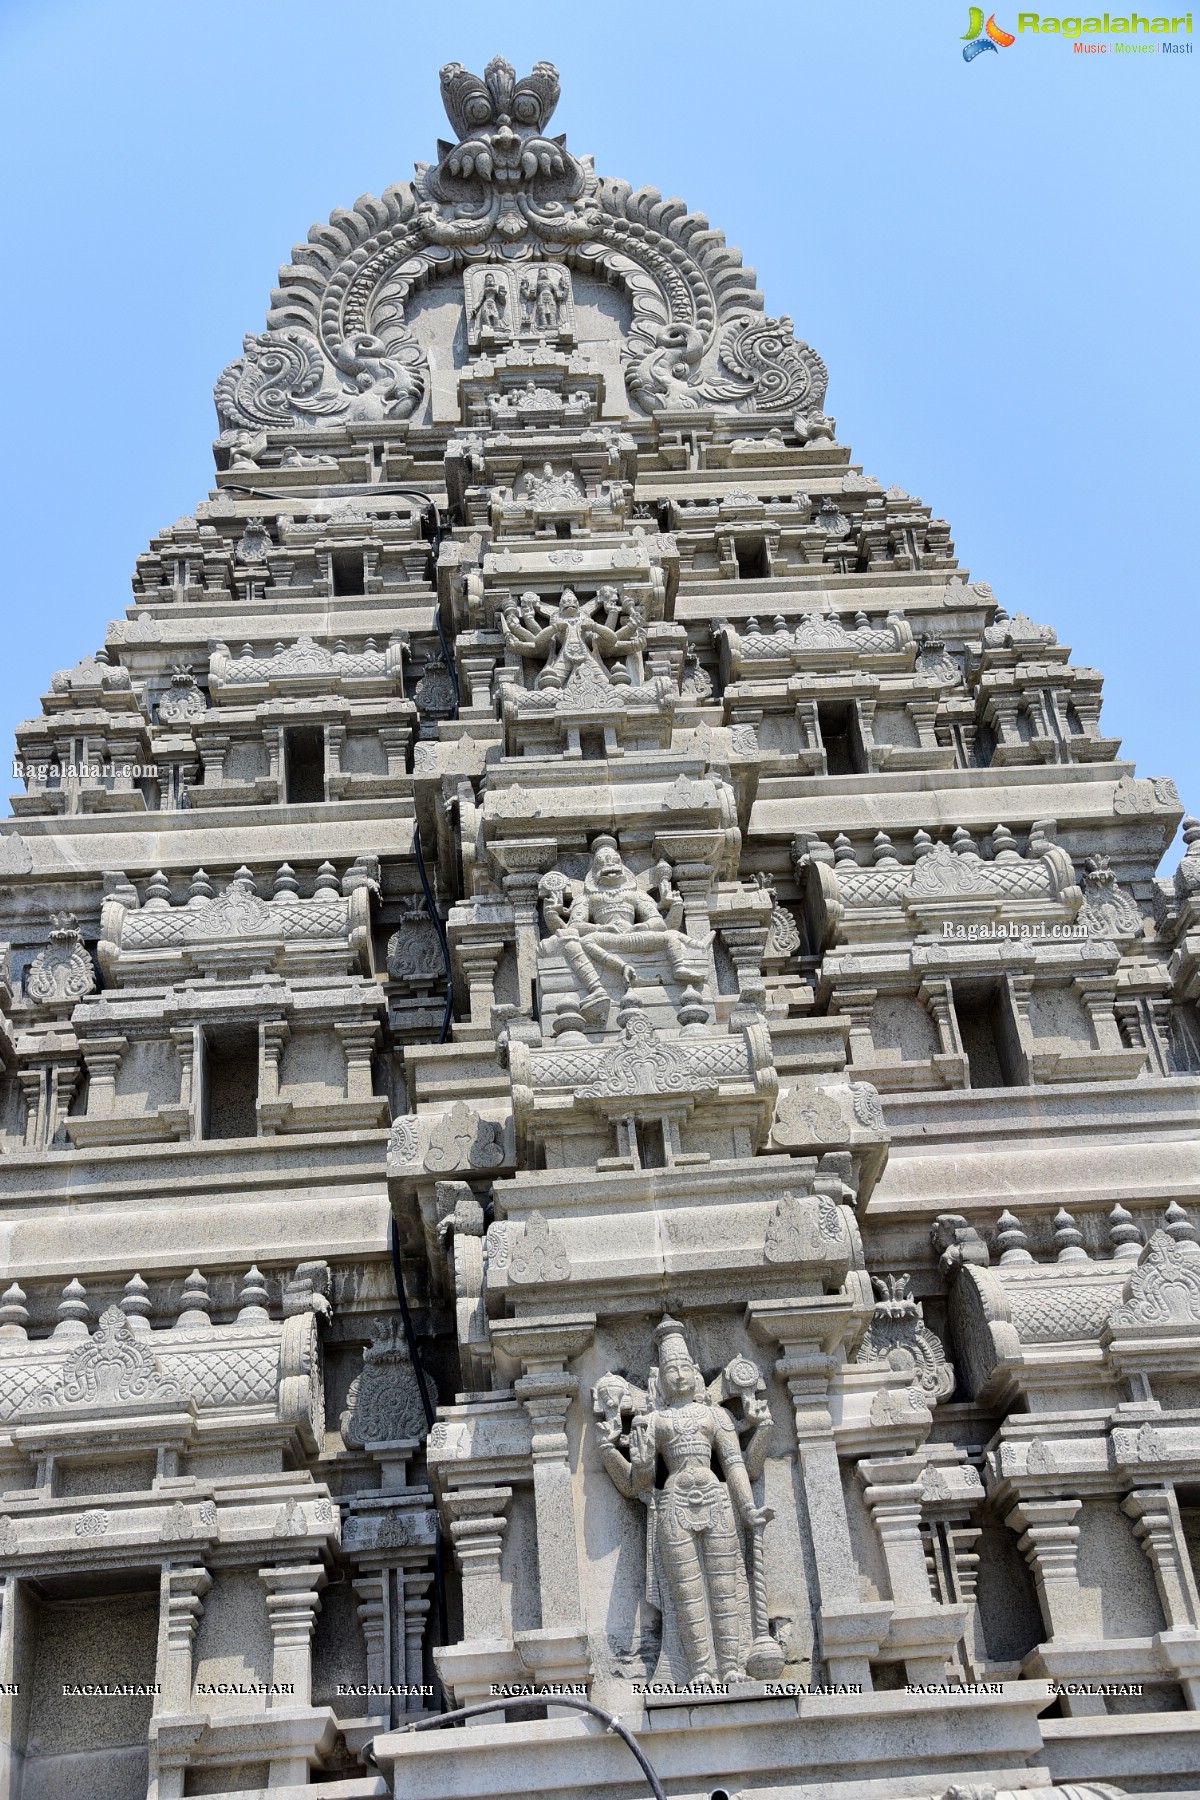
[(600, 1083)]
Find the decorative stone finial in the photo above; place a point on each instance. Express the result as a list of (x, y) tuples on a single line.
[(253, 1298), (1124, 1235), (1013, 1242), (135, 1303), (195, 1304), (14, 1314), (1068, 1238), (73, 1313)]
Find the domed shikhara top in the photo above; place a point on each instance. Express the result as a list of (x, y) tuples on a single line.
[(511, 246)]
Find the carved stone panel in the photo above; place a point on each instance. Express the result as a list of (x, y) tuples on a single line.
[(523, 304)]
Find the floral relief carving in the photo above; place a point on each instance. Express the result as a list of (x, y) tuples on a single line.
[(539, 1254), (64, 970), (1163, 1288), (383, 1402)]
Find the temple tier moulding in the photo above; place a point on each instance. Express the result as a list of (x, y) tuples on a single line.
[(600, 1091)]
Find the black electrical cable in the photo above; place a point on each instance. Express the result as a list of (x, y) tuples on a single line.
[(611, 1723), (410, 1336)]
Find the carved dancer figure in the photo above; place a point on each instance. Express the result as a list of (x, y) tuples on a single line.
[(694, 1544), (612, 919)]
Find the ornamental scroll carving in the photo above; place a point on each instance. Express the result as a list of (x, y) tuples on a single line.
[(899, 1337), (704, 1531), (510, 200), (805, 1230), (1164, 1288), (539, 1254), (760, 366), (282, 380), (63, 971), (113, 1368)]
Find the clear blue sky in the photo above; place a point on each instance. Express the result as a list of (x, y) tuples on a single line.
[(993, 260)]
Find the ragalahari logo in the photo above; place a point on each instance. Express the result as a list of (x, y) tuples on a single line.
[(983, 37)]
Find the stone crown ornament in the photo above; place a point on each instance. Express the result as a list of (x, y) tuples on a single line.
[(349, 330)]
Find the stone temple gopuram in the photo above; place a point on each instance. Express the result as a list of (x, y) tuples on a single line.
[(600, 1087)]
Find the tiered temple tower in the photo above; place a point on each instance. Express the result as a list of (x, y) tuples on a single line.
[(551, 832)]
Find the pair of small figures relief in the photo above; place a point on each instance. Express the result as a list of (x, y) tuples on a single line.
[(676, 1446), (505, 305)]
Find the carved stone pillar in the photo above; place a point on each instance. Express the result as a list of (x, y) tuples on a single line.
[(864, 713), (273, 1034), (479, 959), (33, 1092), (186, 1040), (478, 1520), (394, 739), (103, 1058), (746, 945), (1002, 710), (923, 714), (412, 1604), (938, 996), (546, 1396), (922, 1632), (63, 1079), (373, 1594), (810, 736), (293, 1602), (357, 1038), (1159, 1529), (1098, 994), (809, 1332), (1050, 1545), (181, 1603), (273, 739), (521, 892), (1020, 995), (335, 743), (856, 1004), (213, 752), (557, 1651)]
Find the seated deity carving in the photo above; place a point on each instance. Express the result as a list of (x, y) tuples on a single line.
[(676, 1448), (573, 635), (611, 919)]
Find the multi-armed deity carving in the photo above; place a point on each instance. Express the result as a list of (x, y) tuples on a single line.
[(611, 921), (572, 638), (704, 1555)]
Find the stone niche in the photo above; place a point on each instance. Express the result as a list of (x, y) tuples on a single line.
[(68, 1631)]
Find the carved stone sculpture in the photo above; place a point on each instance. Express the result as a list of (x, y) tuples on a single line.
[(572, 639), (609, 918), (696, 1559), (899, 1337), (63, 970), (383, 1403)]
